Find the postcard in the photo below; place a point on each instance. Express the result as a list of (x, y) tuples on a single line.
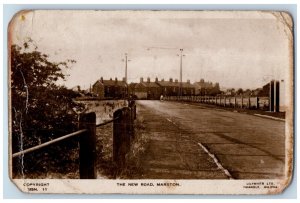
[(151, 102)]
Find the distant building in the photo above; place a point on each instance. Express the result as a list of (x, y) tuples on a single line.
[(147, 89), (172, 88), (131, 88), (188, 89), (206, 88), (98, 89), (168, 88), (110, 89)]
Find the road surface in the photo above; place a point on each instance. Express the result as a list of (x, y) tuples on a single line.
[(187, 141)]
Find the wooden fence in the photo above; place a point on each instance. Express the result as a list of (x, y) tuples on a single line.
[(123, 133), (226, 101)]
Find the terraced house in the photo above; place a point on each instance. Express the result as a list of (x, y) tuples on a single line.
[(172, 88), (147, 89)]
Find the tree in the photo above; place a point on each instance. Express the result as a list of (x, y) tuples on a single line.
[(41, 110), (239, 91)]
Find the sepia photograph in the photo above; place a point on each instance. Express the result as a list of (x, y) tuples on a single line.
[(151, 102)]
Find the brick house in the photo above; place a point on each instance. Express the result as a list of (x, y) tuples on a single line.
[(171, 88), (98, 89), (110, 89), (168, 88), (147, 89), (206, 88), (188, 89)]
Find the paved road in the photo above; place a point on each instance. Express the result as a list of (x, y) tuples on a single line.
[(186, 141)]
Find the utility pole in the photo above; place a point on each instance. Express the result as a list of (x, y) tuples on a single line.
[(180, 78), (126, 61)]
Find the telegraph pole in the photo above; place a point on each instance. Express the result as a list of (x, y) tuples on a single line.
[(126, 67), (126, 61), (180, 84)]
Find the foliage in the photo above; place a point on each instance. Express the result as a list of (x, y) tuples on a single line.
[(239, 91), (41, 110)]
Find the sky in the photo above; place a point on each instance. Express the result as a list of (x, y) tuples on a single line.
[(236, 49)]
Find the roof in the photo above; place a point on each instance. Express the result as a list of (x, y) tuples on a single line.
[(112, 83), (150, 84), (203, 84), (168, 84), (187, 85), (175, 84), (133, 84)]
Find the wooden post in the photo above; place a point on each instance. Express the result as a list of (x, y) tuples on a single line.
[(257, 103), (128, 127), (118, 138), (134, 112), (87, 143), (224, 101), (234, 101), (242, 102), (215, 100), (249, 102)]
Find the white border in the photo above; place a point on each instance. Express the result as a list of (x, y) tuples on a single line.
[(132, 2)]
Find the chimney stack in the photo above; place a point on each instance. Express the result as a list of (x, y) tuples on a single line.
[(101, 79), (141, 80), (176, 80), (148, 79), (124, 79), (171, 80), (110, 79), (116, 79), (188, 81), (156, 79), (162, 80)]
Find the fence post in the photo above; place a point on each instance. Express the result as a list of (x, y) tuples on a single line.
[(249, 103), (118, 138), (128, 126), (234, 101), (134, 112), (242, 102), (87, 143), (257, 103)]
